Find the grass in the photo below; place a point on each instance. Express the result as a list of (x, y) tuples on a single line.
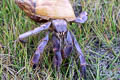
[(99, 38)]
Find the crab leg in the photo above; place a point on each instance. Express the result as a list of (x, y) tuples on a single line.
[(68, 45), (82, 17), (81, 56), (35, 31), (40, 50), (57, 50)]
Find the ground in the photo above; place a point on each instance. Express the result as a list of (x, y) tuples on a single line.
[(99, 39)]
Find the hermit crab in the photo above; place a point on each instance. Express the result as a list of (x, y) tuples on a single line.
[(56, 14)]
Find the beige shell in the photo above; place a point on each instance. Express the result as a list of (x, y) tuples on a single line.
[(48, 9)]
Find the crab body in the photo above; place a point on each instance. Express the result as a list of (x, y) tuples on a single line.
[(56, 13)]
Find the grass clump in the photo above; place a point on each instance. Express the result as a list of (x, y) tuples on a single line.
[(99, 38)]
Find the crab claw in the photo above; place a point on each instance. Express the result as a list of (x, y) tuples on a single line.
[(57, 60), (82, 18)]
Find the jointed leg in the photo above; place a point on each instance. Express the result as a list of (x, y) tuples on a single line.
[(57, 50), (81, 56), (39, 50), (68, 45), (35, 31)]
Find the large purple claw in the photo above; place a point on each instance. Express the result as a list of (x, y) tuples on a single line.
[(82, 18)]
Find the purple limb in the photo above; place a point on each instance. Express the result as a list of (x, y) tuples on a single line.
[(81, 56), (57, 60), (40, 50), (68, 45), (35, 31), (82, 18)]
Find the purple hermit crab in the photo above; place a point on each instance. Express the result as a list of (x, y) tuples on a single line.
[(56, 14)]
